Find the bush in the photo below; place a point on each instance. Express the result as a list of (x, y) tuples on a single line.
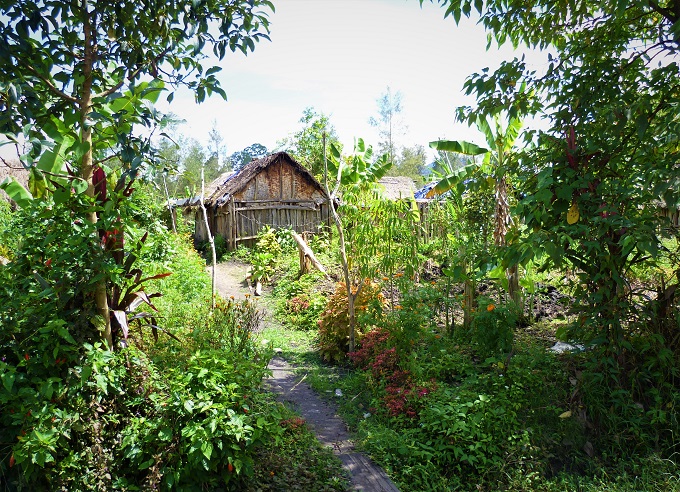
[(334, 330), (300, 304), (492, 329)]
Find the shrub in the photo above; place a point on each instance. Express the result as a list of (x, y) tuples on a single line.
[(299, 304), (492, 329), (334, 330), (231, 327)]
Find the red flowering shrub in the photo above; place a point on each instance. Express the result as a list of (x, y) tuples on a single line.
[(372, 346), (298, 304)]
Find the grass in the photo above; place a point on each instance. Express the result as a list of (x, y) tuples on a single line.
[(296, 462)]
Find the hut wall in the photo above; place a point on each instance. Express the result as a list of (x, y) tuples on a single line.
[(673, 215), (278, 197)]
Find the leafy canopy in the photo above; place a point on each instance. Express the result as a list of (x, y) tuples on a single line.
[(69, 60)]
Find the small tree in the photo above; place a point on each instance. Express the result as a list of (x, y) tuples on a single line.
[(354, 177), (72, 79), (389, 122)]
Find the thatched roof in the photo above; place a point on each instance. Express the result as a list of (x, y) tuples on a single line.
[(397, 187), (224, 187)]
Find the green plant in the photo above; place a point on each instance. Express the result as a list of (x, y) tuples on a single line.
[(299, 303), (296, 461), (334, 326), (492, 329), (262, 266), (232, 327), (268, 241)]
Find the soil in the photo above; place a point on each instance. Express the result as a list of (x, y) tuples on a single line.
[(230, 279), (289, 385)]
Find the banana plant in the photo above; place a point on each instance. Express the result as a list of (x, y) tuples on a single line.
[(495, 162), (357, 169)]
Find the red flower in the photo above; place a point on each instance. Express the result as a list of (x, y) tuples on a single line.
[(230, 468), (48, 263), (11, 461), (26, 356)]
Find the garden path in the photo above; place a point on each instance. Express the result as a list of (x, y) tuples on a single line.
[(291, 389)]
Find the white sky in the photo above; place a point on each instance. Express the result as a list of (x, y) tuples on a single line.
[(339, 57)]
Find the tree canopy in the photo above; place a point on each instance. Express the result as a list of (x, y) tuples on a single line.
[(306, 145)]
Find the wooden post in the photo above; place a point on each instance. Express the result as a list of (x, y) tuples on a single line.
[(232, 229), (307, 256)]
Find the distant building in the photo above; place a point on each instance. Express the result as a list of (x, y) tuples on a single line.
[(273, 191)]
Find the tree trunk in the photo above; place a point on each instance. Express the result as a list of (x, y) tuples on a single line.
[(211, 240), (86, 164), (172, 212), (307, 256), (502, 220)]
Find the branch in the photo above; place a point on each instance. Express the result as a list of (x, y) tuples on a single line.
[(101, 161), (53, 89), (133, 74), (114, 88), (667, 13), (8, 165)]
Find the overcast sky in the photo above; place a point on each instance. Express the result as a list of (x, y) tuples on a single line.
[(339, 57)]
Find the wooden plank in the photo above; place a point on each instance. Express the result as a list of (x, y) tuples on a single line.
[(276, 207), (245, 202)]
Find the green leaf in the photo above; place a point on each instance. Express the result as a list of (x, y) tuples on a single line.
[(165, 434), (79, 185), (16, 191), (189, 405), (37, 185), (641, 125), (459, 147), (61, 195), (8, 380)]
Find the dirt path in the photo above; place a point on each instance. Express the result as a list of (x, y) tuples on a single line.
[(291, 389)]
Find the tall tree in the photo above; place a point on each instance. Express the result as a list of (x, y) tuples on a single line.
[(389, 122), (250, 153), (72, 76), (306, 145), (611, 90), (217, 152)]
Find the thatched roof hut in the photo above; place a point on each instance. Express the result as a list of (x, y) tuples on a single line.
[(274, 191), (273, 176), (397, 187)]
